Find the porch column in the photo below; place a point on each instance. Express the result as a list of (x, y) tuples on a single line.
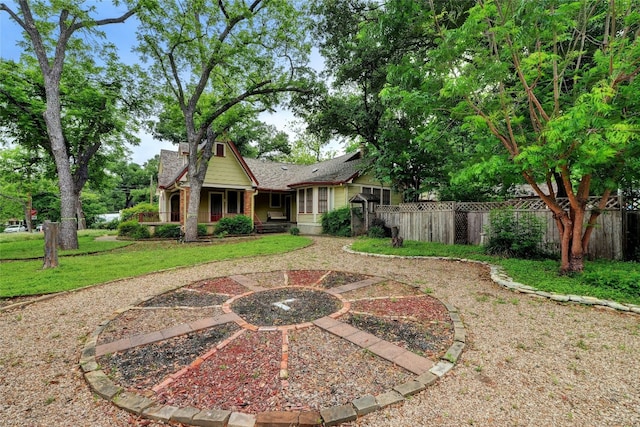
[(248, 203)]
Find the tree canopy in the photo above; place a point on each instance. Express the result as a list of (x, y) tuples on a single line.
[(221, 63)]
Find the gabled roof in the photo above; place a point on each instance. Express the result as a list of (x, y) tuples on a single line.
[(171, 168), (331, 172), (274, 176)]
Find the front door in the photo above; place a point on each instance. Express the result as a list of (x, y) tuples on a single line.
[(287, 207), (216, 206), (175, 208)]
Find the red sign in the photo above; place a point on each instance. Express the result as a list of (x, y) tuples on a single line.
[(34, 212)]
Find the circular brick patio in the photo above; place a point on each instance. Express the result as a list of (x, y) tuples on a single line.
[(301, 347)]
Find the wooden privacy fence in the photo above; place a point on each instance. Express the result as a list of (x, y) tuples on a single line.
[(466, 222)]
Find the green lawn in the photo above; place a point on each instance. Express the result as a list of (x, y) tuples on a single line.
[(31, 245), (18, 278), (611, 280)]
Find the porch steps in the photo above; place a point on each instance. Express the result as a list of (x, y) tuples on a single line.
[(273, 227)]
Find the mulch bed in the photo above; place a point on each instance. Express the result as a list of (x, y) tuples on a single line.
[(218, 383), (222, 285), (244, 375), (143, 367), (185, 298), (295, 306)]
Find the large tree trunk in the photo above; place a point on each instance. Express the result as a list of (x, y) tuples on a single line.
[(191, 221), (68, 237)]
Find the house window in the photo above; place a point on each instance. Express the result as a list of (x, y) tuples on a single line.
[(386, 197), (275, 200), (309, 201), (301, 204), (366, 190), (323, 199), (376, 192), (235, 202), (219, 150)]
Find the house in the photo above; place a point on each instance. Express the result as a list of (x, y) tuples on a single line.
[(265, 191)]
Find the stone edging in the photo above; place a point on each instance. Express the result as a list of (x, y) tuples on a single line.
[(103, 386), (500, 277)]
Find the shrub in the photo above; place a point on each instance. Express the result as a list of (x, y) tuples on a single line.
[(202, 229), (133, 230), (514, 237), (337, 222), (169, 231), (379, 222), (376, 232), (132, 213), (239, 224), (106, 225), (294, 231)]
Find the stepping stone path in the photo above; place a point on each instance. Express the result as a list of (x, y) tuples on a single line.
[(157, 358)]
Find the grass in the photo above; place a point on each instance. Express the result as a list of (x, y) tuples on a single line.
[(19, 246), (20, 278), (542, 275)]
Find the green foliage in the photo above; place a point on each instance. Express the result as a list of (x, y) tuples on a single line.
[(132, 214), (239, 224), (376, 232), (512, 236), (133, 230), (337, 222), (202, 230), (623, 281), (106, 225), (167, 231), (294, 231)]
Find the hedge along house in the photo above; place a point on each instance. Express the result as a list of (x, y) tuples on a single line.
[(270, 193)]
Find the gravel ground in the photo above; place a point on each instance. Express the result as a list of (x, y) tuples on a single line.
[(527, 361)]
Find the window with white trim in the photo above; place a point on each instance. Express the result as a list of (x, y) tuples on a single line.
[(386, 197), (309, 201), (301, 204), (323, 199)]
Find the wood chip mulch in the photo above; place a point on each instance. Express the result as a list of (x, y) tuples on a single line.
[(242, 376)]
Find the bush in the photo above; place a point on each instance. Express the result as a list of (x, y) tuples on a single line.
[(337, 222), (133, 230), (106, 225), (379, 222), (132, 213), (514, 237), (168, 231), (239, 224), (202, 229), (294, 231), (376, 232)]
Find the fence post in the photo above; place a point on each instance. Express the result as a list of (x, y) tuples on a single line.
[(50, 244)]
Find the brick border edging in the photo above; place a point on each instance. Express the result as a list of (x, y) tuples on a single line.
[(103, 386), (499, 277)]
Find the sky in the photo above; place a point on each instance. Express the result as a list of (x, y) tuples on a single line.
[(123, 36)]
